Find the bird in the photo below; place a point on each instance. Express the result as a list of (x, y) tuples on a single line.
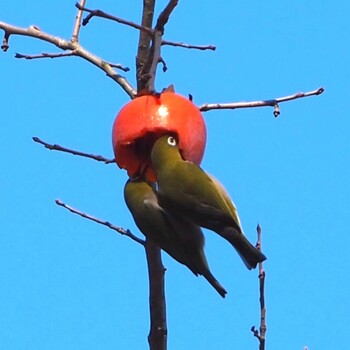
[(186, 189), (178, 237)]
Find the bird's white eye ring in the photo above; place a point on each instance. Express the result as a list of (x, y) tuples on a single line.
[(172, 141)]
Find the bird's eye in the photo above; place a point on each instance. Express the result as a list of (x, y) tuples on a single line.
[(172, 141)]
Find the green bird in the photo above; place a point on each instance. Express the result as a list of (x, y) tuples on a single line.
[(184, 188), (181, 239)]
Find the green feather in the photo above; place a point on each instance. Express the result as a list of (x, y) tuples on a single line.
[(181, 239), (189, 191)]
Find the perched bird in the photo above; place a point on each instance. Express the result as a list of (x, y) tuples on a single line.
[(184, 188), (181, 239)]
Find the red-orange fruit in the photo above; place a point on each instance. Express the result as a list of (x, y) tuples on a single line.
[(141, 121)]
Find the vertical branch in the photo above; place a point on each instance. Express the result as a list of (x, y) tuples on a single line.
[(155, 55), (262, 275), (155, 50), (260, 334), (77, 23), (147, 64), (157, 337), (144, 44)]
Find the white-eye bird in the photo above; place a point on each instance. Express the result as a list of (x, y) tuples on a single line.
[(184, 188), (181, 239)]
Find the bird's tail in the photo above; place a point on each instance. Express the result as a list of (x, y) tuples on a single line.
[(249, 254), (213, 281), (199, 265)]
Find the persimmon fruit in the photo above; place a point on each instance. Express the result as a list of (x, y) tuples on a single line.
[(144, 119)]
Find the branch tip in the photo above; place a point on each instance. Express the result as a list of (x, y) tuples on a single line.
[(276, 110), (189, 46), (263, 103), (5, 42), (320, 91), (120, 230), (57, 147), (258, 229)]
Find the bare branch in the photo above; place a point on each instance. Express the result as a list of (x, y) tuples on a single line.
[(119, 66), (56, 147), (155, 51), (165, 67), (63, 44), (102, 14), (155, 58), (165, 14), (144, 28), (5, 42), (121, 230), (64, 54), (157, 337), (189, 46), (45, 55), (77, 23), (148, 56), (272, 103), (143, 47), (260, 334)]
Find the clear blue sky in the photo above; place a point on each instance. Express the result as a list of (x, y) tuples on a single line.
[(68, 283)]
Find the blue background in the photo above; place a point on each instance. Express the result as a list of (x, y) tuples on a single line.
[(68, 283)]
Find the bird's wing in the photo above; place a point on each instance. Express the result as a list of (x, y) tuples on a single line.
[(172, 234), (200, 192)]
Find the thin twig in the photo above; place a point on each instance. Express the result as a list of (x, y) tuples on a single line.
[(189, 46), (260, 334), (142, 27), (77, 23), (119, 66), (64, 54), (5, 42), (121, 230), (272, 103), (56, 147), (165, 67), (102, 14), (63, 44), (44, 55)]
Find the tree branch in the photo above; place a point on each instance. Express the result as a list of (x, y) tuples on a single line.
[(148, 55), (163, 18), (143, 47), (102, 14), (157, 337), (189, 46), (63, 44), (260, 334), (272, 103), (155, 51), (64, 54), (77, 23), (44, 55), (56, 147), (121, 230)]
